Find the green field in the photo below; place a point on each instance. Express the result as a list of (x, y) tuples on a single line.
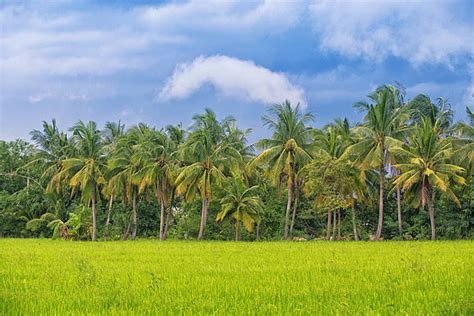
[(150, 277)]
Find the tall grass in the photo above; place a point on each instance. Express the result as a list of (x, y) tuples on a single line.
[(313, 278)]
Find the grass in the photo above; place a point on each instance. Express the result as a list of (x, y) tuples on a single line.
[(312, 278)]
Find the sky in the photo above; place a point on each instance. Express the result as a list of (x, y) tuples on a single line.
[(161, 62)]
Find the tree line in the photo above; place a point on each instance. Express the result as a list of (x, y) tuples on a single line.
[(407, 166)]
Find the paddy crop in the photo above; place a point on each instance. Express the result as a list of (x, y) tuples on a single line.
[(312, 278)]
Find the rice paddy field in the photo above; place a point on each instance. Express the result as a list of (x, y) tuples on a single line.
[(51, 277)]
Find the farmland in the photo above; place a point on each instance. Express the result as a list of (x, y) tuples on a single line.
[(183, 277)]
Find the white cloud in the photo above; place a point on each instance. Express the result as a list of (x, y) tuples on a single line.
[(224, 15), (124, 113), (232, 77), (417, 31), (40, 97), (81, 97), (49, 40), (468, 98)]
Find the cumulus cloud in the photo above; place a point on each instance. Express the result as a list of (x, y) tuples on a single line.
[(232, 77), (410, 30)]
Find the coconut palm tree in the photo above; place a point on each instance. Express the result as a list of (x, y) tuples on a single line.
[(331, 143), (53, 147), (85, 171), (111, 133), (176, 133), (241, 204), (288, 149), (463, 142), (207, 157), (157, 154), (123, 169), (422, 108), (383, 127), (426, 167), (125, 166)]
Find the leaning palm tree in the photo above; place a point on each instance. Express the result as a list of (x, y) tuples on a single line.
[(85, 171), (383, 128), (427, 167), (241, 204), (288, 149), (206, 157)]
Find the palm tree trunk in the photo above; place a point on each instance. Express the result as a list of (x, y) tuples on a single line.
[(378, 234), (328, 233), (168, 213), (162, 217), (338, 225), (334, 226), (107, 222), (167, 222), (432, 216), (354, 226), (134, 211), (232, 228), (287, 214), (203, 218), (257, 231), (399, 211), (127, 232), (94, 224), (237, 228), (295, 205)]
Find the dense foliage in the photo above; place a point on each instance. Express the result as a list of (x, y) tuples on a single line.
[(405, 172)]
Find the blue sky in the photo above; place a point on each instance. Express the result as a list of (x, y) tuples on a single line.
[(161, 62)]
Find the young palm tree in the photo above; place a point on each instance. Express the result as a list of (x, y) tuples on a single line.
[(85, 172), (288, 149), (383, 127), (207, 157), (327, 182), (241, 204), (427, 167)]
